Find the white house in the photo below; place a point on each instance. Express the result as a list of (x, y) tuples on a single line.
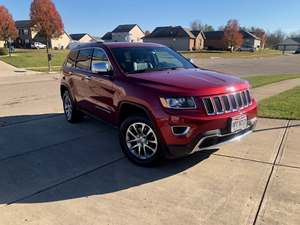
[(125, 33)]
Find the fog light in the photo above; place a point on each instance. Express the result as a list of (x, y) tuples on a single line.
[(180, 130)]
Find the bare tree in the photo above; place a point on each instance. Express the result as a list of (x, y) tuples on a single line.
[(273, 39), (197, 25)]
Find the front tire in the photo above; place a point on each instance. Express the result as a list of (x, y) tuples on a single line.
[(140, 142), (71, 113)]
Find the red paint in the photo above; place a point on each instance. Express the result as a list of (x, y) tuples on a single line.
[(103, 96)]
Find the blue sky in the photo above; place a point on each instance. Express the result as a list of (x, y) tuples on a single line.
[(98, 16)]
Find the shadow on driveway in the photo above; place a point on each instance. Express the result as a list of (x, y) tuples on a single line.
[(44, 159)]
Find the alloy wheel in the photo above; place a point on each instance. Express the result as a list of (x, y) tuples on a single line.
[(68, 107), (141, 140)]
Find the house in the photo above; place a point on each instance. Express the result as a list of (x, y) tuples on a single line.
[(215, 40), (250, 40), (199, 39), (125, 33), (82, 38), (107, 37), (28, 35), (289, 44), (62, 42), (177, 38)]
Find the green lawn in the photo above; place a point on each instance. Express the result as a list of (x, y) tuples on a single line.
[(35, 59), (258, 81), (285, 105), (228, 54)]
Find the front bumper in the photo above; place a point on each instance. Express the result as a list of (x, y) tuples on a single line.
[(209, 140)]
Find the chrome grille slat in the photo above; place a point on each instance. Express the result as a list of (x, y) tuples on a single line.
[(220, 104)]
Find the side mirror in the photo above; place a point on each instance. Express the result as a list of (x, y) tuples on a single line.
[(101, 67)]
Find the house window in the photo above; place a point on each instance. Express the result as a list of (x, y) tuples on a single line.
[(25, 31)]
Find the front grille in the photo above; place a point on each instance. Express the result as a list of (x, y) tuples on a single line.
[(227, 103)]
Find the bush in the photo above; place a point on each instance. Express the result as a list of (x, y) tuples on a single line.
[(3, 51)]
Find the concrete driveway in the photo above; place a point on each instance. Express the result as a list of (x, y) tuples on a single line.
[(253, 66), (52, 172)]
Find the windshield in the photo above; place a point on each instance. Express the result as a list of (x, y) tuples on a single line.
[(142, 59)]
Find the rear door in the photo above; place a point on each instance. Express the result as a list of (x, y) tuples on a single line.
[(81, 76)]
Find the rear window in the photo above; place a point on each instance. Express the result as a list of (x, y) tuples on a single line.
[(84, 59)]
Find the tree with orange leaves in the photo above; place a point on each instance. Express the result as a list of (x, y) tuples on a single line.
[(8, 30), (232, 36), (47, 21)]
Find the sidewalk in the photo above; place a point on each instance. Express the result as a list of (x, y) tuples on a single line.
[(7, 70), (267, 91)]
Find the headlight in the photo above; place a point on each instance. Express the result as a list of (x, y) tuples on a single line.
[(178, 103)]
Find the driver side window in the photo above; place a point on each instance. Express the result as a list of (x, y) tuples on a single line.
[(100, 56)]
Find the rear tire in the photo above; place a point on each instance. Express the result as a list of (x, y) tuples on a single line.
[(71, 113), (140, 142)]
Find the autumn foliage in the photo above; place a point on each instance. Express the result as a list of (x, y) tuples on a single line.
[(232, 36), (47, 21), (8, 28)]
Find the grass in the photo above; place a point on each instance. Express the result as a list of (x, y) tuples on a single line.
[(258, 81), (35, 59), (228, 54), (285, 105)]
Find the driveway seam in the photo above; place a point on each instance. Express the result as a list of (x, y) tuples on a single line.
[(271, 173), (256, 161), (27, 121), (65, 181)]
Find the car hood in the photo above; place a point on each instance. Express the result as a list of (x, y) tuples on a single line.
[(191, 81)]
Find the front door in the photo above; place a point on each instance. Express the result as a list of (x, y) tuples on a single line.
[(101, 91)]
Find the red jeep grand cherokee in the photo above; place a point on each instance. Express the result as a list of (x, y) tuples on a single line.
[(163, 104)]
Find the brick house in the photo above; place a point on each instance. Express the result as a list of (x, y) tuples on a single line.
[(125, 33), (215, 40), (28, 35), (177, 38)]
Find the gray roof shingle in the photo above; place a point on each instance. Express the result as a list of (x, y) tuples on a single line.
[(77, 37), (170, 31), (124, 28), (23, 23)]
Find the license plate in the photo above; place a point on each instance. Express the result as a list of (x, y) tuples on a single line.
[(239, 123)]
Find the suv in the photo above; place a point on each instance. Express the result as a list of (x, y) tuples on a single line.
[(164, 105)]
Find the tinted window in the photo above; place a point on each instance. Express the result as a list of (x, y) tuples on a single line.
[(71, 60), (84, 59), (139, 59), (99, 56)]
